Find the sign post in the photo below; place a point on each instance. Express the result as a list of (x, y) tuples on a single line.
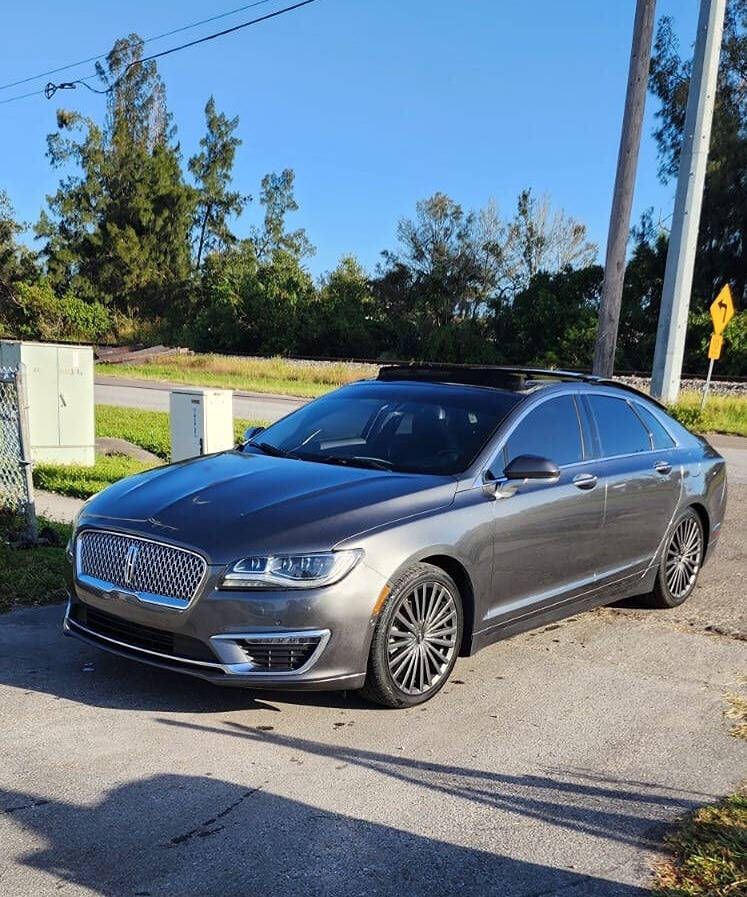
[(722, 311)]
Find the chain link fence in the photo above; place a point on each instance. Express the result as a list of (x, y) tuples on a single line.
[(16, 485)]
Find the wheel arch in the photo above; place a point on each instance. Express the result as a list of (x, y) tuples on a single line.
[(705, 521), (458, 572)]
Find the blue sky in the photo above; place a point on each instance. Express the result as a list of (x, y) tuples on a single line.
[(374, 103)]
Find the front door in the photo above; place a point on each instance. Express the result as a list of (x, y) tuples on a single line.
[(547, 533)]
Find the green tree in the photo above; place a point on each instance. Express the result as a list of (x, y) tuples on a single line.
[(17, 263), (342, 319), (448, 264), (541, 239), (278, 199), (212, 169), (553, 321), (723, 223), (119, 229), (217, 321)]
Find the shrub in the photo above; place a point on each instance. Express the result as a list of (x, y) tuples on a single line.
[(36, 312)]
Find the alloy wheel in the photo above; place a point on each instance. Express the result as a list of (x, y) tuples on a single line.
[(683, 557), (422, 638)]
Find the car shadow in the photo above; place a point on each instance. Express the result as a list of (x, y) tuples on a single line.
[(36, 656), (615, 810), (194, 835)]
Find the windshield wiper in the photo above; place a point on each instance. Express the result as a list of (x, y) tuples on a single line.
[(269, 449), (352, 461)]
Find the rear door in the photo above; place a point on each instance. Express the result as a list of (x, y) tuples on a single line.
[(641, 482), (547, 533)]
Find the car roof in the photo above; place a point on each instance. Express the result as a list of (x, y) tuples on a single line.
[(512, 379)]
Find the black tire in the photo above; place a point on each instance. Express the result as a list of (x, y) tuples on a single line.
[(412, 591), (683, 549)]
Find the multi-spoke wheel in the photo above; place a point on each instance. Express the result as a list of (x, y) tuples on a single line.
[(681, 561), (417, 638)]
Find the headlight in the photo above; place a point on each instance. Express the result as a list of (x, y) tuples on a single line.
[(291, 571)]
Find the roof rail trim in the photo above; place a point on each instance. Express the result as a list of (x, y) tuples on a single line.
[(469, 374)]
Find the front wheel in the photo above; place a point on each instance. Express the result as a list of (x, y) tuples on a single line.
[(417, 638), (680, 562)]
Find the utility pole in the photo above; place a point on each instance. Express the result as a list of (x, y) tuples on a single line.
[(622, 202), (683, 239)]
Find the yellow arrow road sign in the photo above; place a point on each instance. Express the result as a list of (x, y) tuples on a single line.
[(722, 310)]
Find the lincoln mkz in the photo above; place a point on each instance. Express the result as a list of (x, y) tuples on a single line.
[(368, 539)]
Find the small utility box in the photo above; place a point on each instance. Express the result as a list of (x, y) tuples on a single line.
[(59, 387), (201, 422)]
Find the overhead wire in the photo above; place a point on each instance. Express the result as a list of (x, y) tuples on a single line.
[(50, 89), (147, 40)]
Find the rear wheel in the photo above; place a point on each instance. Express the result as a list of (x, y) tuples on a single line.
[(417, 638), (680, 562)]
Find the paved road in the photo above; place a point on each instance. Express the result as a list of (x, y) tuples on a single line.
[(551, 764), (154, 396)]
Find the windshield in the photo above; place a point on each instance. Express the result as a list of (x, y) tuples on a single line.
[(433, 429)]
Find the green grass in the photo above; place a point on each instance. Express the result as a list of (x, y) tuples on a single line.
[(722, 414), (31, 576), (709, 853), (149, 429), (82, 482), (272, 375)]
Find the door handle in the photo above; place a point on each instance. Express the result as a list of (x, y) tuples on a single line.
[(585, 481), (663, 467)]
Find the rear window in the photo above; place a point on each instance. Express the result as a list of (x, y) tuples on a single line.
[(620, 429), (662, 439)]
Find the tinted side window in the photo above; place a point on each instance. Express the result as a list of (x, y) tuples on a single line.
[(662, 439), (551, 431), (620, 430)]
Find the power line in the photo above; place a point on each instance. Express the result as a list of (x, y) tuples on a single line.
[(51, 89), (147, 40)]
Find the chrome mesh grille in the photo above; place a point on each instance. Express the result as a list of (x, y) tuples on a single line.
[(139, 565)]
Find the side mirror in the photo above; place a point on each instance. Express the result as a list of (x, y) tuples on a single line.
[(251, 432), (531, 467)]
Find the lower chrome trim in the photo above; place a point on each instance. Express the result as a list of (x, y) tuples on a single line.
[(75, 626), (231, 668)]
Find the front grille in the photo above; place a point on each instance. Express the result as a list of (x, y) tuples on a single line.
[(279, 654), (139, 636), (140, 565)]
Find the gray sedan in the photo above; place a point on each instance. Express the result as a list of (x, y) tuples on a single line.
[(371, 537)]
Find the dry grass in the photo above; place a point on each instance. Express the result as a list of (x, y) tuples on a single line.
[(271, 375), (736, 713)]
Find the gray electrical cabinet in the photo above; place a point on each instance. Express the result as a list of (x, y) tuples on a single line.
[(59, 386)]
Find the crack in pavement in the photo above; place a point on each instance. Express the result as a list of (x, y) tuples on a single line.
[(203, 830), (34, 803)]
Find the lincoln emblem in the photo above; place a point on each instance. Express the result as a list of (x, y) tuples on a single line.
[(129, 564)]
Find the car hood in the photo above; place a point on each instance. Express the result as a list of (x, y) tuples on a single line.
[(233, 504)]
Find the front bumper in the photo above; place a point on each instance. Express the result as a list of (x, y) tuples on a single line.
[(217, 622)]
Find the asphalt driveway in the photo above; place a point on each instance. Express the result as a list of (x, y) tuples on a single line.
[(551, 764)]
